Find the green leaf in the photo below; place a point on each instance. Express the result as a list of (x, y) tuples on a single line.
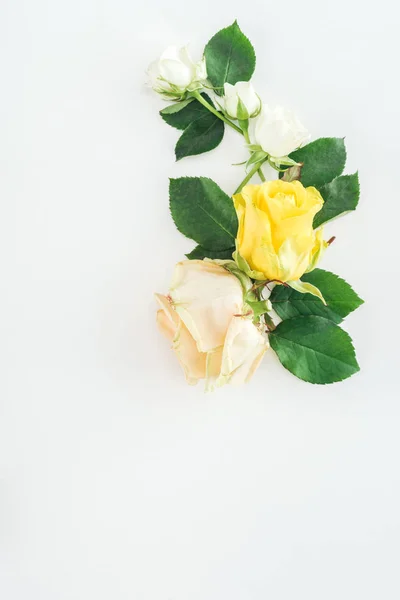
[(175, 107), (323, 160), (340, 196), (314, 349), (203, 131), (199, 253), (230, 57), (201, 136), (341, 299), (189, 113), (203, 212)]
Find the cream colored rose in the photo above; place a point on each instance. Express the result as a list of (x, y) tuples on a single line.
[(241, 97), (175, 73), (203, 317), (278, 131)]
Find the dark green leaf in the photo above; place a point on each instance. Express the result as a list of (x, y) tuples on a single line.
[(340, 297), (323, 160), (230, 57), (200, 253), (186, 115), (203, 212), (200, 136), (340, 196), (203, 131), (314, 349)]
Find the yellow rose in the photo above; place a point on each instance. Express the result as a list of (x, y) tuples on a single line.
[(203, 318), (276, 236)]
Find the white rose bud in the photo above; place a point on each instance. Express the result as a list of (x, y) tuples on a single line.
[(175, 73), (278, 131), (241, 100)]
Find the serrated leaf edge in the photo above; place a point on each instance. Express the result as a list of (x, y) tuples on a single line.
[(273, 334), (247, 39), (304, 298)]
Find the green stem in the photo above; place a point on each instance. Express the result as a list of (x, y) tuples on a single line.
[(215, 112), (247, 138), (249, 175)]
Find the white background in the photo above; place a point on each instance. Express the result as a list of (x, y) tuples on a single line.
[(117, 481)]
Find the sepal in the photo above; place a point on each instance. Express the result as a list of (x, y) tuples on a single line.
[(245, 267), (306, 288)]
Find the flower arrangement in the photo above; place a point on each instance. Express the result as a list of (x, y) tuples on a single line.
[(255, 262)]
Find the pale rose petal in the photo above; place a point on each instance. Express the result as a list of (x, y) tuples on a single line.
[(174, 73), (243, 350), (192, 361), (248, 96), (206, 296), (230, 100), (244, 91), (278, 131), (186, 60), (318, 250), (213, 368), (201, 70)]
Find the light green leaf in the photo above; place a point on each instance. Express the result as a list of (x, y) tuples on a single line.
[(200, 136), (323, 160), (203, 212), (230, 57), (199, 253), (340, 196), (314, 349), (306, 288), (341, 299), (175, 107)]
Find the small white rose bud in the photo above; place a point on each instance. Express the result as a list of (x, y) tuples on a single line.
[(241, 100), (278, 131), (175, 73)]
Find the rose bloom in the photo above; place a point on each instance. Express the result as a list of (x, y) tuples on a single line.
[(278, 131), (174, 73), (203, 319), (244, 92), (276, 236)]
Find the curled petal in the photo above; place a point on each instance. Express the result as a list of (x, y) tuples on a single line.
[(192, 361), (206, 296), (242, 353)]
